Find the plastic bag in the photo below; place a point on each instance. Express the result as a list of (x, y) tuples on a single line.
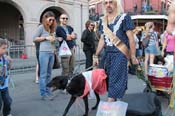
[(64, 50), (117, 108)]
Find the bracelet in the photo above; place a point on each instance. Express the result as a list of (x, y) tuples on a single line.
[(95, 56)]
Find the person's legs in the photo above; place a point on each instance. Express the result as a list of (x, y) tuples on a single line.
[(111, 99), (146, 63), (0, 100), (44, 61), (37, 67), (117, 75), (7, 101), (49, 71), (152, 56), (36, 73), (89, 59), (72, 61), (65, 65), (153, 52)]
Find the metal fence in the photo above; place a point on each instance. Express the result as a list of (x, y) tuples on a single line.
[(24, 58)]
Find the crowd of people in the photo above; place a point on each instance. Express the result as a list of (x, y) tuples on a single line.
[(106, 44)]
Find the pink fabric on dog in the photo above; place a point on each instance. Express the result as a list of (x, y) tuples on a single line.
[(98, 82)]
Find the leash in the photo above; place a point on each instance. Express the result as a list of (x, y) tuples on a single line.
[(74, 75)]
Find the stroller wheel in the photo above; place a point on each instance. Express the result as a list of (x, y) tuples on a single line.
[(147, 90)]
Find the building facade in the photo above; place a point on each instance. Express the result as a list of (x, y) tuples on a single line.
[(20, 18), (141, 11)]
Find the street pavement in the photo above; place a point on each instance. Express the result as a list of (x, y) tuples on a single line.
[(27, 100)]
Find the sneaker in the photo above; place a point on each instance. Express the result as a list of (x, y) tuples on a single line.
[(36, 81), (64, 92), (48, 97), (9, 115), (43, 97)]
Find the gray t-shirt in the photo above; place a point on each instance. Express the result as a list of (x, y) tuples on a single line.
[(45, 46)]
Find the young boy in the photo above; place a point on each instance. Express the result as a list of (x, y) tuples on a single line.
[(5, 63)]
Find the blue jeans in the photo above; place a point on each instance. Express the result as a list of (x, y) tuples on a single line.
[(151, 49), (5, 101), (139, 52), (46, 60)]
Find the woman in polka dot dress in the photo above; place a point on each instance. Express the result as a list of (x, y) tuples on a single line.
[(115, 60)]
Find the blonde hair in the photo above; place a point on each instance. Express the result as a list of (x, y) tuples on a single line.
[(148, 26), (119, 8)]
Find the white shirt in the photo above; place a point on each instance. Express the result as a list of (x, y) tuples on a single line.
[(136, 41)]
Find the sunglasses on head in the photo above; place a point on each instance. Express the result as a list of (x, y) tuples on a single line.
[(64, 18)]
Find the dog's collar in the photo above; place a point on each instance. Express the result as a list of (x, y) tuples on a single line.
[(68, 83), (74, 75), (70, 79)]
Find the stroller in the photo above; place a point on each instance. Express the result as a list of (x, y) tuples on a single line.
[(159, 81)]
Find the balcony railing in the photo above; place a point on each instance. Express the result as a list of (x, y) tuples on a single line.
[(148, 12)]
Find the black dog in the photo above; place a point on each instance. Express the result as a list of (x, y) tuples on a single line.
[(76, 86)]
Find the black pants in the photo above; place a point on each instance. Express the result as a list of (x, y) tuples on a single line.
[(5, 101), (89, 59)]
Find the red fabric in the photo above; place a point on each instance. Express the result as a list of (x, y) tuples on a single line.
[(160, 82), (23, 56), (98, 82)]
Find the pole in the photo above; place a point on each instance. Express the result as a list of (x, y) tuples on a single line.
[(163, 25), (81, 10)]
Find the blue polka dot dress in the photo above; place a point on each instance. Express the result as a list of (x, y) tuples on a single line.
[(115, 60)]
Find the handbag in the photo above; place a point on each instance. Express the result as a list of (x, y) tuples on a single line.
[(145, 42), (56, 61), (64, 50), (117, 108)]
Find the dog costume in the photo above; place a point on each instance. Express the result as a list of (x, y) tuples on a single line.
[(95, 81)]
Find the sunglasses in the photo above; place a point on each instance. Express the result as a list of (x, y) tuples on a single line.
[(92, 25), (64, 18), (50, 20), (108, 2)]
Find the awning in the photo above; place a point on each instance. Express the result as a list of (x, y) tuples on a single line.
[(149, 17)]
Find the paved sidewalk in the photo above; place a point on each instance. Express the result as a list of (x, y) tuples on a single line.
[(27, 102)]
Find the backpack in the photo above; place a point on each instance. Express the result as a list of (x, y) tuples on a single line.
[(146, 40)]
